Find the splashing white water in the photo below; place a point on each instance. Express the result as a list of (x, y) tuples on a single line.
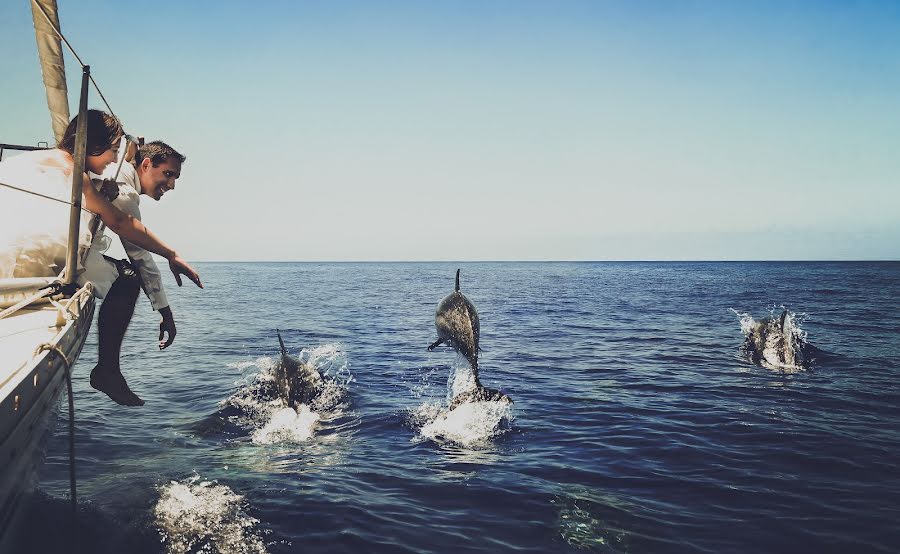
[(461, 380), (287, 425), (470, 424), (769, 357), (269, 417), (202, 516)]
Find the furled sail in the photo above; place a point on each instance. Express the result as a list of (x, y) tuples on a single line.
[(52, 66)]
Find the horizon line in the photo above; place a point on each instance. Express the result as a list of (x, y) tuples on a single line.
[(861, 260)]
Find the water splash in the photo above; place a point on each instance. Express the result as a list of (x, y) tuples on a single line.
[(471, 424), (769, 357), (288, 425), (269, 419), (460, 381), (746, 320), (194, 515), (794, 319)]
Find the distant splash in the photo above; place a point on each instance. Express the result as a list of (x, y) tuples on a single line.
[(194, 515), (769, 357), (269, 419), (471, 424)]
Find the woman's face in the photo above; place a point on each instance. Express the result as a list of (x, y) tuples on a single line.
[(98, 163)]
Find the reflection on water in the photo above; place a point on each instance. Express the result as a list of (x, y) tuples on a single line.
[(581, 525)]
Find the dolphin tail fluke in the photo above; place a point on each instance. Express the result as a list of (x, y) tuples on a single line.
[(281, 342), (457, 280)]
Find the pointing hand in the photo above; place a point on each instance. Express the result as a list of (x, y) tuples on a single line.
[(180, 267)]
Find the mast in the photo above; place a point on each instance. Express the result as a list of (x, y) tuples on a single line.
[(77, 180), (52, 66)]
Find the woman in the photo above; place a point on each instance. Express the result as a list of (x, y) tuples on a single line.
[(33, 230)]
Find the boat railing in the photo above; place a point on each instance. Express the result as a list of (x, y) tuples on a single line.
[(22, 148)]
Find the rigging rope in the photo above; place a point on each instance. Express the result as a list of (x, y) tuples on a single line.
[(67, 366), (54, 289), (44, 196)]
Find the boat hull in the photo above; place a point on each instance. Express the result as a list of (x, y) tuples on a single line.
[(28, 411)]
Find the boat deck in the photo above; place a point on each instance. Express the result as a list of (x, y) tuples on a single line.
[(20, 334)]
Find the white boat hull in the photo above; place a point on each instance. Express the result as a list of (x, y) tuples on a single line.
[(29, 395)]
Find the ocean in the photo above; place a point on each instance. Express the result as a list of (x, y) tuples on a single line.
[(638, 425)]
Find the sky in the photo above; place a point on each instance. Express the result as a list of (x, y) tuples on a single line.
[(631, 130)]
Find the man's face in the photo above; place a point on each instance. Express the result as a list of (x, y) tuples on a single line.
[(156, 181)]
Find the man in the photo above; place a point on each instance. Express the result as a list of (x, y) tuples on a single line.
[(153, 172)]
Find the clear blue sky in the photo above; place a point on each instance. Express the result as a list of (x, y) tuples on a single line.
[(498, 130)]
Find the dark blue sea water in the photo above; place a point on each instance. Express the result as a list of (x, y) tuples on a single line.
[(637, 425)]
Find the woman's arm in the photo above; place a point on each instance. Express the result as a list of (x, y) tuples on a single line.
[(132, 230)]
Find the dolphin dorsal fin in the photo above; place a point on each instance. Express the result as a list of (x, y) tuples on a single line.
[(457, 280), (281, 342)]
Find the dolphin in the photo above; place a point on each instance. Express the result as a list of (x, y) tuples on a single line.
[(296, 382), (456, 321), (776, 341)]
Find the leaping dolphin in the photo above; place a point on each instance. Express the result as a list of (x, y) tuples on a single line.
[(778, 343), (456, 321), (297, 382)]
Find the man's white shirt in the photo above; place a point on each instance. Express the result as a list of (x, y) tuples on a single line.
[(101, 272)]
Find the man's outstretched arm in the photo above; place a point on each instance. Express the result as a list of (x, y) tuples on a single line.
[(131, 229)]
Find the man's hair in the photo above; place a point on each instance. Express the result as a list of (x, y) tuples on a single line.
[(103, 130), (158, 152)]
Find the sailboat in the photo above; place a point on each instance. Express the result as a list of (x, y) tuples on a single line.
[(44, 319)]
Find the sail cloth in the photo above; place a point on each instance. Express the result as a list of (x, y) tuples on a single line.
[(52, 66), (34, 230)]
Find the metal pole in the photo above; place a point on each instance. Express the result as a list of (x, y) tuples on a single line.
[(77, 179)]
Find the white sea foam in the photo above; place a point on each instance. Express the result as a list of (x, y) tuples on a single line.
[(792, 328), (268, 417), (194, 515), (746, 320), (288, 425), (461, 380), (470, 424)]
